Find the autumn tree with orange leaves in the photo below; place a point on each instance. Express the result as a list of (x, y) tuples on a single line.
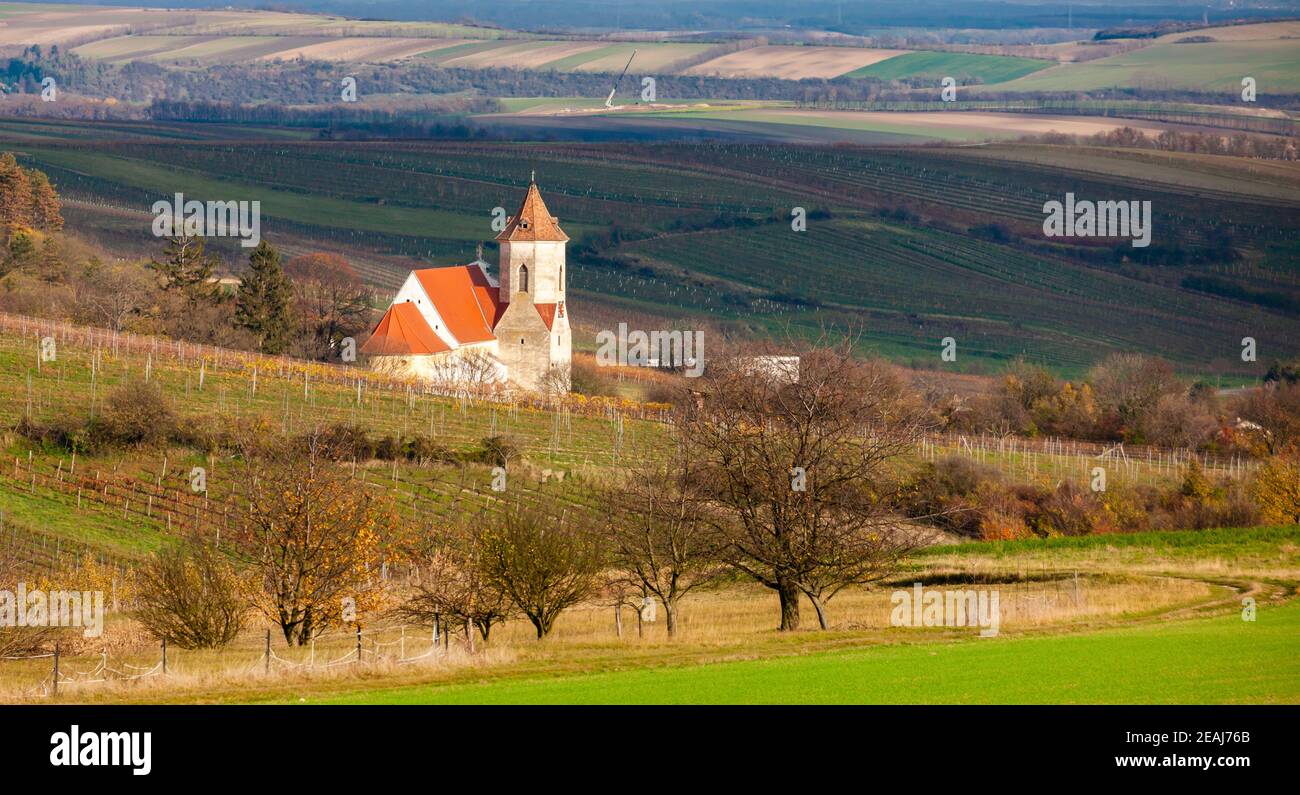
[(317, 537)]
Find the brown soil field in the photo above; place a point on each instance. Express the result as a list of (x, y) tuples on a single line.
[(523, 55), (362, 49), (792, 63), (1263, 31), (1015, 123), (650, 58)]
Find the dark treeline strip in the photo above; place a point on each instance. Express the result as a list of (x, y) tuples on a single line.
[(315, 82)]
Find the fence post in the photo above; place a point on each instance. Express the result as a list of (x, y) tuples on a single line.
[(164, 659), (268, 651), (358, 644), (55, 692)]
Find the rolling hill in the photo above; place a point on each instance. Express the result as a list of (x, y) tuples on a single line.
[(913, 245)]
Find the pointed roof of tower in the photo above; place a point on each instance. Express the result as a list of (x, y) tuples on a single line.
[(533, 222)]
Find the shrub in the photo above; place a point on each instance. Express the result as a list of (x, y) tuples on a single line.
[(190, 597), (1068, 510), (135, 414), (1000, 516), (423, 449), (498, 450), (1276, 489), (945, 492), (388, 448), (66, 432)]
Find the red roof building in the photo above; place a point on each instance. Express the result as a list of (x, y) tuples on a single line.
[(520, 321)]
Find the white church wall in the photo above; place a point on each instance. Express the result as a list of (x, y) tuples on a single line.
[(412, 290)]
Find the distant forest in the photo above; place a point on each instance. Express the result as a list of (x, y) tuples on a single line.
[(317, 82)]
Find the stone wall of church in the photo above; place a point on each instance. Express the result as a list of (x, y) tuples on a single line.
[(545, 261), (524, 343)]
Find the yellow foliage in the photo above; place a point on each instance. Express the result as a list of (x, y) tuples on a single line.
[(1277, 490)]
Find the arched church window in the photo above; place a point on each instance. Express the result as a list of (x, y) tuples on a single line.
[(523, 278)]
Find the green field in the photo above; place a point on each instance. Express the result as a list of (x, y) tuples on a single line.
[(960, 66), (1205, 661), (1210, 66)]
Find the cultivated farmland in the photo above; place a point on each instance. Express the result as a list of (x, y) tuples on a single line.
[(1267, 52), (695, 238)]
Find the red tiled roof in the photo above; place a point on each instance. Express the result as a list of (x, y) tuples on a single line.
[(464, 299), (533, 222), (403, 331)]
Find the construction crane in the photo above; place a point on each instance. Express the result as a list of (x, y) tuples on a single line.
[(609, 101)]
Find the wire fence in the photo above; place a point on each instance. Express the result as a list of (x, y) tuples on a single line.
[(363, 648)]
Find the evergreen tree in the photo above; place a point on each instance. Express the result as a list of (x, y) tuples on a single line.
[(15, 196), (46, 214), (265, 299), (187, 267)]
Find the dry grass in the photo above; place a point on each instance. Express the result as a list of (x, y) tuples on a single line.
[(733, 622)]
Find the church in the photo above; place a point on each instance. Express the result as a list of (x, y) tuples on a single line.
[(459, 324)]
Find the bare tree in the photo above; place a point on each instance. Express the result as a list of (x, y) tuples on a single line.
[(1128, 387), (657, 533), (466, 373), (114, 295), (800, 470), (542, 556), (1272, 415), (331, 301), (452, 589)]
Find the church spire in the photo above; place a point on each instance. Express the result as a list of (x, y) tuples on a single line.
[(533, 222)]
